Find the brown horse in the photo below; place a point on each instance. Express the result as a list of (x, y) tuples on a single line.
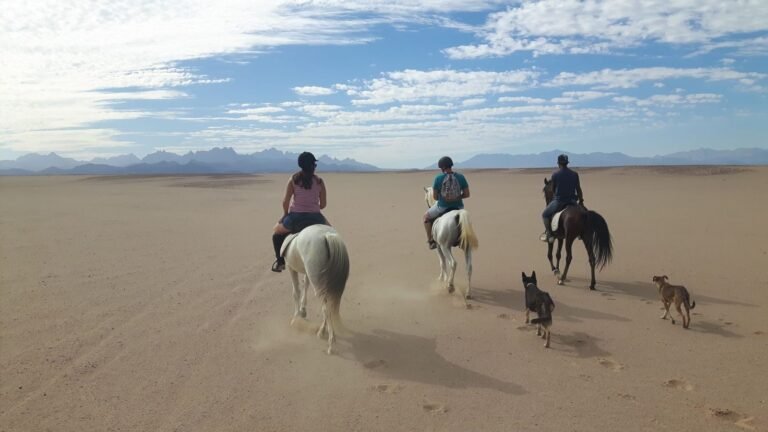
[(578, 222)]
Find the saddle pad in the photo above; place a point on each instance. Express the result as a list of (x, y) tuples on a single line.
[(286, 242), (556, 220)]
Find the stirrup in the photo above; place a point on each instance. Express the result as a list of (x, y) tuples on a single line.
[(278, 265)]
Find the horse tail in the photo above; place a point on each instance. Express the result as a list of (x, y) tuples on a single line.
[(602, 246), (467, 237), (335, 276)]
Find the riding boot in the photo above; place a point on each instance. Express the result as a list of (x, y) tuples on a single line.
[(430, 240), (277, 242), (548, 236)]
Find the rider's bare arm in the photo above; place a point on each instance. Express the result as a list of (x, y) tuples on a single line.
[(465, 193), (287, 197), (322, 195)]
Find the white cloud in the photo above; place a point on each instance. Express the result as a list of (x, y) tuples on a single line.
[(628, 78), (578, 27), (472, 102), (579, 96), (313, 91), (415, 85), (59, 56), (524, 99), (671, 99)]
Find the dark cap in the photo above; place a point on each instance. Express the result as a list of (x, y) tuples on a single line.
[(307, 161), (445, 162), (562, 159)]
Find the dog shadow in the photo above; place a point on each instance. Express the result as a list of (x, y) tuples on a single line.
[(579, 344), (648, 291), (414, 358), (709, 327), (514, 299)]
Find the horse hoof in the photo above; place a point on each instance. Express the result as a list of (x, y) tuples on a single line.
[(468, 297), (591, 288), (451, 289), (303, 314), (559, 281), (556, 272)]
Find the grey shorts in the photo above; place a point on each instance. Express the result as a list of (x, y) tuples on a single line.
[(436, 211)]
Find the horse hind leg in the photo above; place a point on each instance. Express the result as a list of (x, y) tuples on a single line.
[(296, 295), (591, 255), (568, 258), (327, 325), (452, 268), (468, 259)]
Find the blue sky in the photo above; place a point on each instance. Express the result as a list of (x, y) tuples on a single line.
[(395, 83)]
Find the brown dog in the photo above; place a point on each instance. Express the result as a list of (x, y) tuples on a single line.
[(676, 294)]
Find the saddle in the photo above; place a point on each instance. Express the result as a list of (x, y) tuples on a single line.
[(556, 218)]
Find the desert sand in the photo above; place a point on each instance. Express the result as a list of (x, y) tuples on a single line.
[(148, 304)]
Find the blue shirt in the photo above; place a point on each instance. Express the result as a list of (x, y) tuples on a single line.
[(566, 183), (436, 185)]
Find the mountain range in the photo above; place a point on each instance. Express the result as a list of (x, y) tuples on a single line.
[(226, 160), (215, 161)]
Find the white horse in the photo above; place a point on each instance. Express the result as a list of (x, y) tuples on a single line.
[(320, 254), (453, 229)]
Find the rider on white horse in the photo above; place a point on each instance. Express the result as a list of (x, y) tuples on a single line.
[(448, 189), (304, 197)]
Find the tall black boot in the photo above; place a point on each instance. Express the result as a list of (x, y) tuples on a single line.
[(277, 242)]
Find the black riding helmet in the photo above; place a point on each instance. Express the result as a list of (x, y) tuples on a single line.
[(445, 162), (562, 159), (307, 161)]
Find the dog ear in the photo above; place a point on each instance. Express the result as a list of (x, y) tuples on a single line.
[(533, 275), (546, 181), (524, 276), (665, 277)]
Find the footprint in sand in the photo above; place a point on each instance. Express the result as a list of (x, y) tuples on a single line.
[(610, 364), (373, 364), (503, 316), (388, 388), (627, 396), (434, 408), (759, 332), (738, 419), (526, 327), (678, 384)]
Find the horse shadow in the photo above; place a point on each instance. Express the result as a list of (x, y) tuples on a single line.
[(414, 358), (514, 299)]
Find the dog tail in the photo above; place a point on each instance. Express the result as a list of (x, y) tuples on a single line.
[(688, 302)]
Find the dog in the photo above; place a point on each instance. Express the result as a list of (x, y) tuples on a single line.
[(676, 294), (541, 303)]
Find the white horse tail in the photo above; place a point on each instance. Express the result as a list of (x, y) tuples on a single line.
[(467, 238), (335, 276)]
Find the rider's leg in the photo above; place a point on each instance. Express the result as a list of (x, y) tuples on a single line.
[(278, 237), (546, 217), (429, 220)]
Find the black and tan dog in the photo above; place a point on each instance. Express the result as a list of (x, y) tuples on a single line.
[(539, 302), (676, 294)]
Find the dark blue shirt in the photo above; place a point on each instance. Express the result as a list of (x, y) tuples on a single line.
[(566, 184)]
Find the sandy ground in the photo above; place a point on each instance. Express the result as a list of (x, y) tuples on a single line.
[(147, 304)]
